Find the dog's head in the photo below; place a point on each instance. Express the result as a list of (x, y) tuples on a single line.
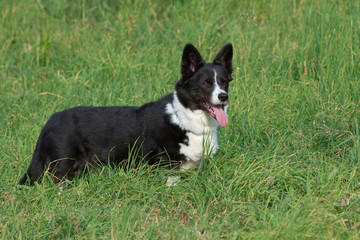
[(204, 86)]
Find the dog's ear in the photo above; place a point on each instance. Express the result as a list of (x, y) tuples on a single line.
[(191, 61), (224, 58)]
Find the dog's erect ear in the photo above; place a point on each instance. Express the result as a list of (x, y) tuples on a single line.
[(224, 58), (191, 61)]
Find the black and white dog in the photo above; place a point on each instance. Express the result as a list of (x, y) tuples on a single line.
[(176, 129)]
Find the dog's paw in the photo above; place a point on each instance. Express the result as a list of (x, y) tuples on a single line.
[(172, 181)]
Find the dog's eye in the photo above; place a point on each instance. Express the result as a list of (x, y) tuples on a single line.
[(224, 82), (208, 83)]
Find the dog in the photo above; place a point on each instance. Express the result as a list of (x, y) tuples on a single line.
[(176, 129)]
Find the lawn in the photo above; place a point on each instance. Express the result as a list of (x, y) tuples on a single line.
[(289, 161)]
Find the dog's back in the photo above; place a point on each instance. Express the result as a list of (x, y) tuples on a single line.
[(87, 136)]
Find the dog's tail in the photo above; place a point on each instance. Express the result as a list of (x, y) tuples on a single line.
[(35, 170)]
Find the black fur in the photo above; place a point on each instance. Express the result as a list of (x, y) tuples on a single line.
[(87, 136)]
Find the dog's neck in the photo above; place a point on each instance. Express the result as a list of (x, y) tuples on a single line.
[(198, 122)]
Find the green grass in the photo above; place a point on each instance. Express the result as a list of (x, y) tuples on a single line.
[(289, 161)]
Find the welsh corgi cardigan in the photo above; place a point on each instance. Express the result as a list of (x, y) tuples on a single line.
[(175, 130)]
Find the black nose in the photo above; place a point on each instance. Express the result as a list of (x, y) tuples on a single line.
[(223, 97)]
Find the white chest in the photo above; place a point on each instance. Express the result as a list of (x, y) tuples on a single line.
[(201, 132), (197, 147)]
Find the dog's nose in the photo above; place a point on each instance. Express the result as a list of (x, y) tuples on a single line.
[(223, 97)]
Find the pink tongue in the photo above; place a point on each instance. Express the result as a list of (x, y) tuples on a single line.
[(220, 116)]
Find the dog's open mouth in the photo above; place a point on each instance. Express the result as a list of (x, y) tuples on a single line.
[(218, 113)]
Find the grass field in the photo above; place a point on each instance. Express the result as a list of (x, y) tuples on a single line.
[(289, 162)]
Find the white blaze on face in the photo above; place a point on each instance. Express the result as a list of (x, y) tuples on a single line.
[(216, 91)]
